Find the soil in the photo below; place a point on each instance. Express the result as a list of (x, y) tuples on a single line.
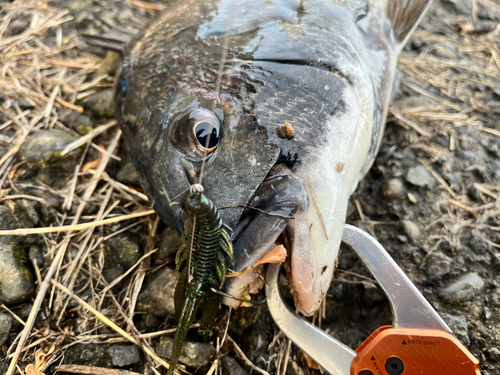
[(432, 198)]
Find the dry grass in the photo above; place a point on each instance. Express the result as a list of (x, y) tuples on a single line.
[(43, 67), (459, 93)]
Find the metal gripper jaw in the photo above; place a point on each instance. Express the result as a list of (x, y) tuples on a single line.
[(418, 342)]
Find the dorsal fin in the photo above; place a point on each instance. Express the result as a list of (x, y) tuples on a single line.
[(405, 15), (358, 8)]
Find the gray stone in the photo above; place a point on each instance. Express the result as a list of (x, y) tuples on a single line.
[(231, 367), (458, 325), (89, 354), (45, 145), (170, 243), (124, 355), (29, 208), (16, 277), (464, 288), (121, 254), (437, 264), (494, 353), (394, 189), (419, 176), (122, 250), (5, 325), (79, 122), (128, 175), (157, 297), (412, 230), (36, 255), (487, 312), (412, 198), (83, 124), (16, 284), (100, 104), (193, 354)]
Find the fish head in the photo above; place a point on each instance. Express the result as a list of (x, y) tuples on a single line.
[(277, 123)]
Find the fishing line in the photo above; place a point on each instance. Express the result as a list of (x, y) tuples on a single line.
[(214, 106), (257, 209)]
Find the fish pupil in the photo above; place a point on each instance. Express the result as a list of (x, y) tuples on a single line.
[(207, 135)]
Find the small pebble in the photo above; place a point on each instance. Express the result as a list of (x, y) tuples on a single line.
[(45, 145), (394, 188), (402, 239), (494, 353), (437, 264), (412, 230), (5, 325), (231, 367), (487, 312), (170, 243), (16, 277), (128, 175), (100, 104), (193, 354), (122, 250), (412, 198), (157, 297), (464, 288), (419, 176), (458, 325), (124, 355)]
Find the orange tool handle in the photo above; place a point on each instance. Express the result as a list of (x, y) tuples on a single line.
[(406, 351)]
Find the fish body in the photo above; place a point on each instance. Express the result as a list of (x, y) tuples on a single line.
[(228, 74)]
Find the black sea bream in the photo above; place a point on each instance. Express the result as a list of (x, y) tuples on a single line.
[(219, 78)]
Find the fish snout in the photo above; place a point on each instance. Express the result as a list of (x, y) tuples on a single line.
[(277, 211)]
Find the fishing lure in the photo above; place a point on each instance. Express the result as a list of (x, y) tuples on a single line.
[(205, 245)]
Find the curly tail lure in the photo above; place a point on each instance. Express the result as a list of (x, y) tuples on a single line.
[(205, 243)]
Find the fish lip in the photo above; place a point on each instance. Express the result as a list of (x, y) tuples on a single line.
[(252, 210), (279, 198), (272, 206)]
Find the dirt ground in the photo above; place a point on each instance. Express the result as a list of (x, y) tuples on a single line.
[(432, 198)]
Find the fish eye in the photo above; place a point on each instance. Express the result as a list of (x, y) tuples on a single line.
[(207, 135), (196, 133)]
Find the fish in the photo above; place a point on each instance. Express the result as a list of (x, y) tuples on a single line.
[(276, 107)]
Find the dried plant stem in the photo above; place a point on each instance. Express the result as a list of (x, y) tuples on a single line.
[(89, 136), (92, 370), (76, 227), (245, 358), (110, 324), (57, 261)]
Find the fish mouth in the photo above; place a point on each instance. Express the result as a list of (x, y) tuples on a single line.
[(276, 215)]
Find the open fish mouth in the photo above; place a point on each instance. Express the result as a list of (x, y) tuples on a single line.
[(278, 212)]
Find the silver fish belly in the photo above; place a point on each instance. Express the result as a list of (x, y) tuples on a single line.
[(231, 73)]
